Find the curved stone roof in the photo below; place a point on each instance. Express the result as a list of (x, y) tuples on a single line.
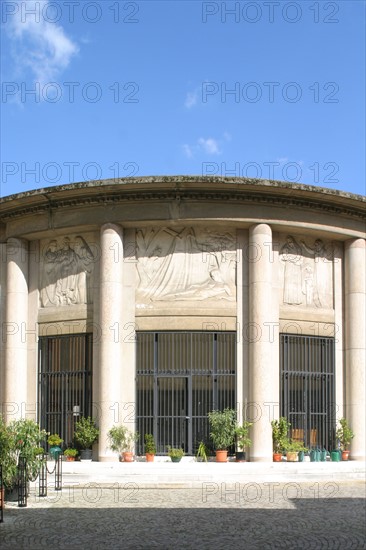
[(226, 198)]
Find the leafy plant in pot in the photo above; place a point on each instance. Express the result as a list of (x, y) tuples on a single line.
[(70, 454), (121, 441), (54, 441), (242, 440), (150, 447), (86, 433), (175, 454), (202, 452), (8, 457), (21, 438), (293, 448), (222, 431), (344, 434), (280, 429)]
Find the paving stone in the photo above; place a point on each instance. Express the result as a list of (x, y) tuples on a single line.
[(291, 515)]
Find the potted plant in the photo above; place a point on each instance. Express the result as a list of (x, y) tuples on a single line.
[(8, 458), (222, 425), (131, 439), (175, 454), (344, 435), (86, 433), (280, 429), (54, 441), (150, 447), (122, 440), (21, 438), (293, 448), (242, 440), (202, 452), (70, 454)]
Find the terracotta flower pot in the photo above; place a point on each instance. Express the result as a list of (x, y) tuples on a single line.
[(291, 456), (70, 459), (221, 456), (149, 457), (277, 457), (345, 455), (128, 456)]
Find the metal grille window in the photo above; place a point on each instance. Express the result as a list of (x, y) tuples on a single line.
[(181, 376), (65, 382), (308, 388)]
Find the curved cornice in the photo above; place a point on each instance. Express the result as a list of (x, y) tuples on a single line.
[(184, 188)]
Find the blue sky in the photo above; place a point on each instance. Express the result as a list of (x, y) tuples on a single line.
[(94, 90)]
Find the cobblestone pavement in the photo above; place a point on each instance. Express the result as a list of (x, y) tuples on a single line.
[(253, 515)]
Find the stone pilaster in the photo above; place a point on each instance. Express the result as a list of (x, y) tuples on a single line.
[(263, 350), (355, 342), (14, 331), (111, 325)]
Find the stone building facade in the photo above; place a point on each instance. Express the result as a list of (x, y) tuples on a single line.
[(152, 300)]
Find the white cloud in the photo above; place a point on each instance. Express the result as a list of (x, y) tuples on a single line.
[(38, 44), (191, 99), (209, 146), (188, 151)]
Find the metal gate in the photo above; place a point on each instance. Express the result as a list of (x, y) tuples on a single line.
[(65, 382), (308, 388), (181, 376)]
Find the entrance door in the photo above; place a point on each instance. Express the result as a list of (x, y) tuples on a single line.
[(181, 376), (65, 382), (172, 418), (307, 388)]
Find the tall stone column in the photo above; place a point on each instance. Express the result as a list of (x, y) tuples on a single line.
[(355, 342), (16, 319), (263, 362), (111, 323)]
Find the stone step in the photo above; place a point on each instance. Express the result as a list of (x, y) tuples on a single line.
[(189, 473)]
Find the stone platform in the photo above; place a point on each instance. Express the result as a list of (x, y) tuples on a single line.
[(191, 474)]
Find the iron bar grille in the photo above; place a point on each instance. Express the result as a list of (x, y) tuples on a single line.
[(307, 381), (65, 382), (180, 377)]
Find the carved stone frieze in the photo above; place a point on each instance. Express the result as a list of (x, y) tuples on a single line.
[(307, 272), (185, 264), (67, 265)]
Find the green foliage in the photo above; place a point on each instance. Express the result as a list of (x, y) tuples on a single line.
[(293, 446), (54, 440), (122, 439), (8, 457), (279, 433), (21, 437), (86, 432), (242, 435), (344, 434), (222, 425), (175, 452), (71, 452), (202, 451), (150, 447)]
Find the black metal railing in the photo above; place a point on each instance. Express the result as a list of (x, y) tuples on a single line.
[(181, 376), (65, 382), (307, 380)]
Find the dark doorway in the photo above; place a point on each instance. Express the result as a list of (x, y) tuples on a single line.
[(307, 366), (65, 382), (181, 376)]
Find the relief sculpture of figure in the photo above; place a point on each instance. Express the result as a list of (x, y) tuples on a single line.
[(321, 282), (50, 275), (66, 273), (173, 264), (291, 255)]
